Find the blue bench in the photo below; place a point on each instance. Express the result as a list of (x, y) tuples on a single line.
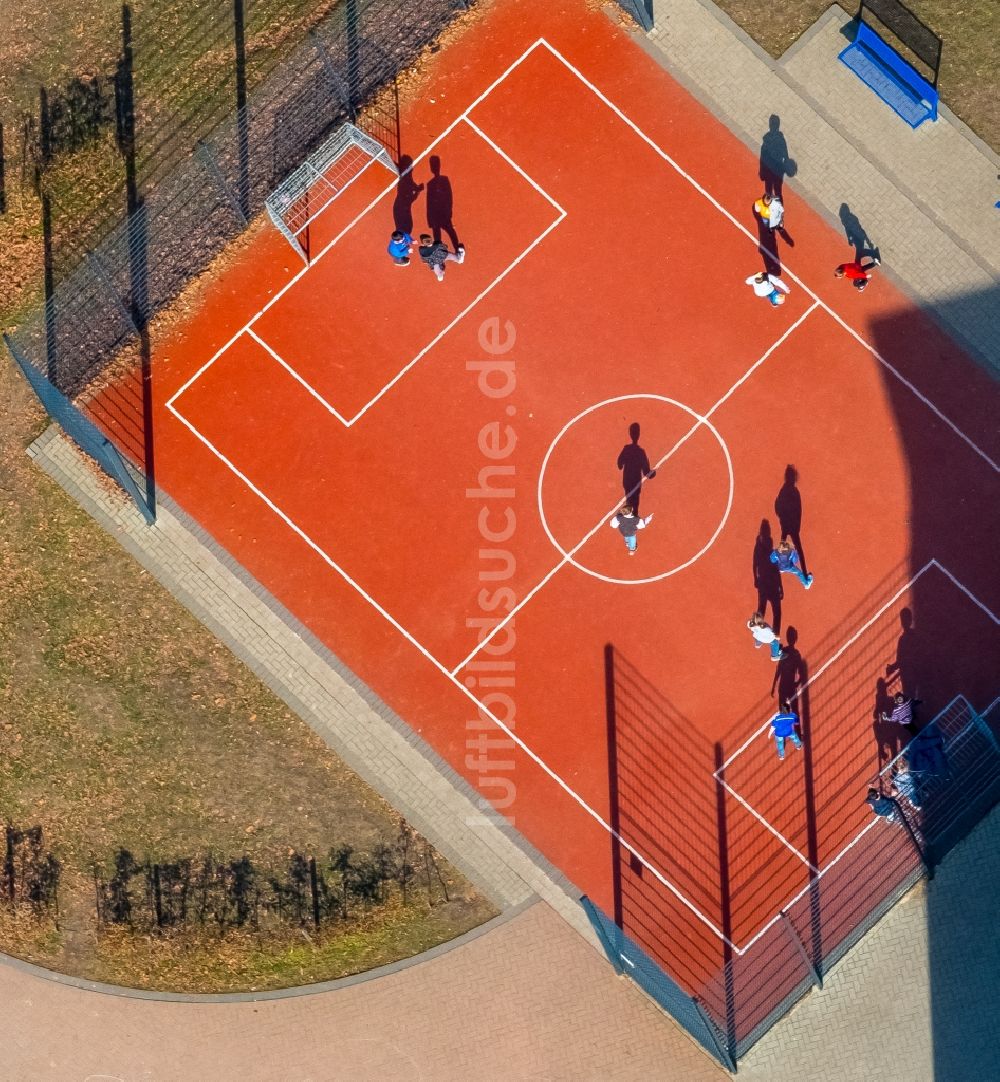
[(895, 81)]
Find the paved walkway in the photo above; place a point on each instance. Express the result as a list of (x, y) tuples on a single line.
[(925, 196), (532, 998), (916, 1001)]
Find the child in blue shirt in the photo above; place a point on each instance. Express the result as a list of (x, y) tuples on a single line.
[(400, 246), (785, 724), (787, 560)]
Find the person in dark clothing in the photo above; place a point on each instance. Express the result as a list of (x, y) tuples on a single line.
[(436, 254), (902, 712), (767, 577), (881, 805), (628, 523), (634, 464), (788, 508), (440, 204)]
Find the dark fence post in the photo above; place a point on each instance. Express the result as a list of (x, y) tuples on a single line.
[(8, 865), (614, 956), (314, 890), (800, 947), (3, 176), (157, 896), (242, 114)]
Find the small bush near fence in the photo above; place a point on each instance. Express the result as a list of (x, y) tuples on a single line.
[(30, 874), (208, 893)]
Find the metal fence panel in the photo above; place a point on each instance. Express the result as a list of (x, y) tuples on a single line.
[(629, 958)]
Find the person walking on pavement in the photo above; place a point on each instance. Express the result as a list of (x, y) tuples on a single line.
[(785, 726), (787, 561), (763, 635), (628, 523), (436, 253), (770, 286), (634, 464)]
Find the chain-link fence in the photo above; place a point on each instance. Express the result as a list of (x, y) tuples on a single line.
[(187, 192), (727, 991)]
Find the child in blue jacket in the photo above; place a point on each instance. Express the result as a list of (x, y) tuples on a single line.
[(785, 725), (787, 560)]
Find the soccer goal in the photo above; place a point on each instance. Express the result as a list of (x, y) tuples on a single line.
[(322, 177)]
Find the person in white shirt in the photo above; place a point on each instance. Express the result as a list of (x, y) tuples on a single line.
[(770, 286), (770, 210), (763, 635)]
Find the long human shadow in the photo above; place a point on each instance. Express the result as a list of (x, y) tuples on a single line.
[(407, 193), (766, 576), (856, 234), (441, 204)]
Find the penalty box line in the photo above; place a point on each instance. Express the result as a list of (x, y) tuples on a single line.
[(820, 872), (756, 242), (443, 669), (561, 214), (703, 420), (857, 635), (461, 118)]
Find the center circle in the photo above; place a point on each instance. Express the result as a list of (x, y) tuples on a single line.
[(699, 422)]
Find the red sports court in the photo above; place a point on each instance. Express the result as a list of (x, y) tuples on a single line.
[(424, 474)]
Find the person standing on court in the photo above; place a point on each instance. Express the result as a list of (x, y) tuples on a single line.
[(788, 508), (770, 210), (634, 464), (436, 253), (628, 524), (786, 559), (785, 726), (859, 274), (770, 286), (400, 246), (763, 635)]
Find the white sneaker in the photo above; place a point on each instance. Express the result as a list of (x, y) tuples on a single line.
[(460, 250)]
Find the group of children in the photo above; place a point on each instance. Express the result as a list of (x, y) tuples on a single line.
[(785, 723), (433, 253), (770, 213)]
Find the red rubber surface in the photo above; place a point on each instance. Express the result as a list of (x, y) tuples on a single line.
[(638, 291)]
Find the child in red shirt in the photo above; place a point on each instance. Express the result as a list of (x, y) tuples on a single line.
[(858, 273)]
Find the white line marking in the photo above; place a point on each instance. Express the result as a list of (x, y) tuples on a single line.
[(743, 229), (965, 590), (357, 218), (291, 371), (774, 830), (568, 557), (809, 886), (333, 565), (826, 665), (348, 422)]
